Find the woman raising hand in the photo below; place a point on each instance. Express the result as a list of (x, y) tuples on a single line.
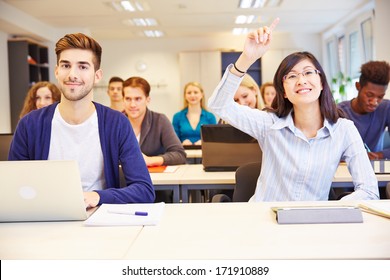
[(303, 135)]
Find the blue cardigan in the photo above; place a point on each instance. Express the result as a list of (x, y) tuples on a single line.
[(119, 145)]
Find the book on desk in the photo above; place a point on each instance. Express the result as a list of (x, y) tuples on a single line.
[(381, 166), (379, 210), (318, 214)]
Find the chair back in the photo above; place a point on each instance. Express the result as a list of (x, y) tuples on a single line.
[(386, 140), (5, 143), (246, 181)]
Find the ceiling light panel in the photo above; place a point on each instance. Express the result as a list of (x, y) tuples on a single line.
[(144, 21), (242, 19), (129, 6), (240, 31), (153, 33), (251, 4)]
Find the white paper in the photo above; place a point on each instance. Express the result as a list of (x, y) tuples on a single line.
[(379, 208), (104, 216), (171, 168)]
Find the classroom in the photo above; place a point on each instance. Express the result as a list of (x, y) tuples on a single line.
[(203, 231), (170, 62)]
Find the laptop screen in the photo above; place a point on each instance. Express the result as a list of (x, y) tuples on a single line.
[(225, 148)]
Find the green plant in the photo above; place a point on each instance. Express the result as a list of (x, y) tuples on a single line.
[(340, 82)]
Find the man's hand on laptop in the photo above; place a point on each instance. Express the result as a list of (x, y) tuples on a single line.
[(91, 199), (375, 156)]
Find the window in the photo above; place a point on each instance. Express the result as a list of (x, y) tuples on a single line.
[(332, 58), (354, 55), (367, 37), (342, 52)]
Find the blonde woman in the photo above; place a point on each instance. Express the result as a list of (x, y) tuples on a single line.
[(40, 95), (248, 93), (188, 121)]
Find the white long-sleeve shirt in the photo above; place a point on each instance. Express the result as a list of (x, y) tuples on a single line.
[(293, 166)]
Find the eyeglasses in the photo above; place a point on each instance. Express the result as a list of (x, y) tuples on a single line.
[(294, 76)]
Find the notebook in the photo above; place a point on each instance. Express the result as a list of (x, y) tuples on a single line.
[(225, 148), (381, 166), (41, 191)]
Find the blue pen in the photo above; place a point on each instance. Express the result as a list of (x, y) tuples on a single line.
[(125, 212), (367, 148)]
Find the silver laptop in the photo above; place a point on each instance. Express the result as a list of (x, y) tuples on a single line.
[(40, 190)]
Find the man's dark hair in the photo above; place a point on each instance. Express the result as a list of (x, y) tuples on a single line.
[(80, 41), (376, 72), (115, 79)]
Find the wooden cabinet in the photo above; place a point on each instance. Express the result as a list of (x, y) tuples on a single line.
[(203, 67), (28, 63)]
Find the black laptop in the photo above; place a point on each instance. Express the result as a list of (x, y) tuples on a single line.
[(225, 148)]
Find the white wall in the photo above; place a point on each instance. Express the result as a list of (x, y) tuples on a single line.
[(161, 56), (162, 59), (381, 33), (5, 118)]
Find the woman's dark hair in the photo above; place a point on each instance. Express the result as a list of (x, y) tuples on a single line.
[(281, 106)]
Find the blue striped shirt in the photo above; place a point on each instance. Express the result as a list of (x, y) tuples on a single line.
[(293, 166)]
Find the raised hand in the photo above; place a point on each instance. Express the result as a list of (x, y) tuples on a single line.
[(256, 44)]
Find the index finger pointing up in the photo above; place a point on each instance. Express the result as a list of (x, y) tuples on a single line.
[(274, 24)]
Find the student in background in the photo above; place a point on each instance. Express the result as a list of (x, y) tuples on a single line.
[(303, 136), (188, 121), (268, 93), (114, 91), (79, 129), (154, 132), (369, 111), (248, 94), (40, 95)]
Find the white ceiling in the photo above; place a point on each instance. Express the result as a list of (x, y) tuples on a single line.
[(180, 18)]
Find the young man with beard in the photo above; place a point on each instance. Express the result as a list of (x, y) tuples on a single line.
[(97, 137)]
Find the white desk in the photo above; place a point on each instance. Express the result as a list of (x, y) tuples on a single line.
[(343, 178), (195, 153), (250, 231), (195, 178), (194, 156), (202, 231), (64, 240), (169, 181)]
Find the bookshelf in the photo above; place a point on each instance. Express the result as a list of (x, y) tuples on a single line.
[(28, 63)]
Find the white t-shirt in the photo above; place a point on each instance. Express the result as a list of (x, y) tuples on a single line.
[(79, 142)]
